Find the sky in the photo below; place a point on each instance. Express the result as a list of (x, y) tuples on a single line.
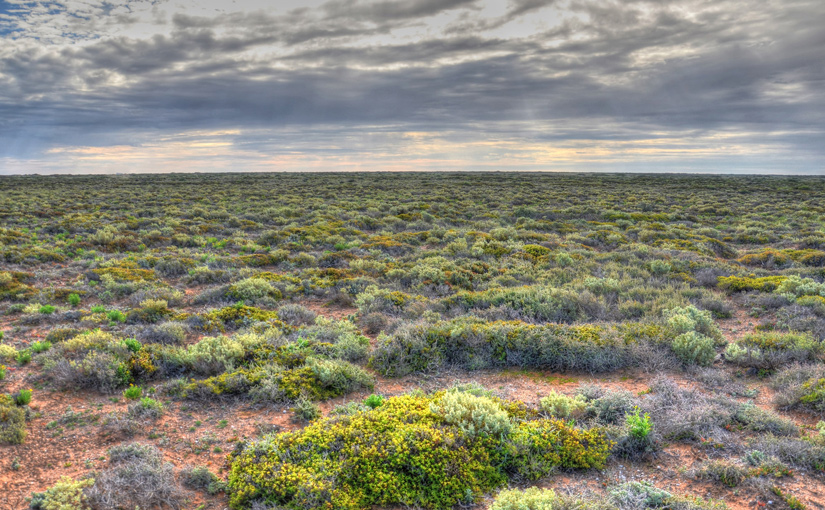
[(139, 86)]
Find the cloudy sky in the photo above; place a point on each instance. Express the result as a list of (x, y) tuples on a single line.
[(735, 86)]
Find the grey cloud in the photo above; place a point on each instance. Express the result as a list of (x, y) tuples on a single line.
[(608, 71)]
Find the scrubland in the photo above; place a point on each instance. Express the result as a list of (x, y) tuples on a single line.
[(435, 341)]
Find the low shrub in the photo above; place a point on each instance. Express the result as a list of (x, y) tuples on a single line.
[(400, 453), (561, 406), (733, 284), (722, 471), (694, 349), (475, 344), (760, 420), (23, 397), (12, 421), (296, 315), (528, 499), (200, 478), (690, 319), (145, 409), (135, 477), (306, 410), (169, 333), (66, 494), (769, 350), (473, 415)]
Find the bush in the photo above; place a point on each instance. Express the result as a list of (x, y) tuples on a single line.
[(38, 347), (638, 425), (66, 494), (47, 309), (135, 477), (691, 319), (760, 420), (200, 478), (23, 397), (399, 453), (73, 299), (12, 422), (474, 344), (7, 352), (145, 409), (769, 350), (528, 499), (562, 406), (296, 315), (374, 401), (169, 333), (471, 414), (694, 349), (253, 289), (722, 471), (306, 410), (116, 316)]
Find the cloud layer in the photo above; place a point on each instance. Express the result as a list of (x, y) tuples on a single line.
[(660, 85)]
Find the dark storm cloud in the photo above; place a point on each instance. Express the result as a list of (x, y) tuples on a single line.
[(613, 70)]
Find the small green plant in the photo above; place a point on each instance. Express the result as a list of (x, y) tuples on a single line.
[(638, 425), (98, 309), (132, 344), (73, 299), (47, 309), (3, 369), (374, 401), (24, 356), (40, 346), (116, 316), (133, 392), (23, 397)]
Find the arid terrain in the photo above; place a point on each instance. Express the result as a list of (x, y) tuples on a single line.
[(273, 341)]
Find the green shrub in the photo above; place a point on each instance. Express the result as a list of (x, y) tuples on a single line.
[(3, 369), (638, 425), (98, 309), (73, 299), (306, 410), (374, 401), (528, 499), (66, 494), (200, 478), (47, 309), (7, 352), (688, 319), (23, 397), (12, 421), (253, 289), (770, 350), (562, 406), (40, 346), (694, 348), (472, 415), (739, 284), (399, 453), (24, 356), (133, 392), (115, 315), (722, 471)]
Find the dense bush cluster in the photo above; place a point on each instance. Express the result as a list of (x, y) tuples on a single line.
[(431, 451)]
